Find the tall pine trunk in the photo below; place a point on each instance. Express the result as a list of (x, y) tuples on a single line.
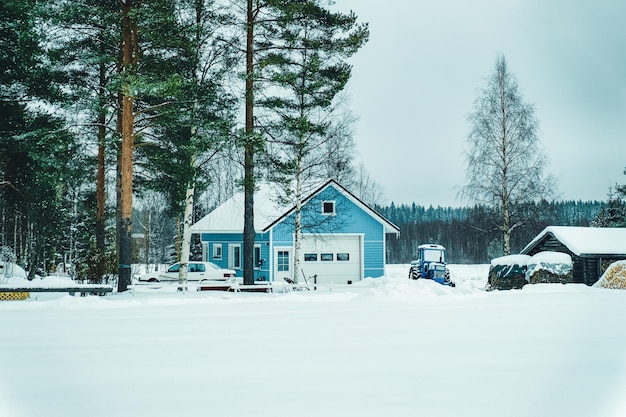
[(129, 59), (100, 176), (249, 233)]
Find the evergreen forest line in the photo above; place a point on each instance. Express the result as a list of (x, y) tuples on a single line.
[(470, 234)]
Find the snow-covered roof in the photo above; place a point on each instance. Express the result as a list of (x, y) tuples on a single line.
[(585, 240), (557, 263), (431, 246), (549, 257), (511, 260), (228, 217)]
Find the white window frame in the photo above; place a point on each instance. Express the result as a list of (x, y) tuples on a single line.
[(234, 262), (288, 253), (217, 247)]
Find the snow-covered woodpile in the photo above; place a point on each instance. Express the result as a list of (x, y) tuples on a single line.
[(508, 272), (550, 267), (614, 276)]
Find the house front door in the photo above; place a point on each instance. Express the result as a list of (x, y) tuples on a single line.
[(283, 263)]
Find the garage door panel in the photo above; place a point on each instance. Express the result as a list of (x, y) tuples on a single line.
[(334, 259)]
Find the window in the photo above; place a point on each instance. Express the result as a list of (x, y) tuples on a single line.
[(234, 256), (217, 251), (328, 208), (282, 261), (343, 256), (257, 257), (310, 257), (327, 257)]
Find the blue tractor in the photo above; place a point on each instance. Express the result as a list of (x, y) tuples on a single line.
[(431, 264)]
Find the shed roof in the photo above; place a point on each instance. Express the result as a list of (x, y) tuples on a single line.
[(585, 240)]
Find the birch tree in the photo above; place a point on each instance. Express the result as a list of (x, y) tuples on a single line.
[(194, 128), (505, 162), (206, 61)]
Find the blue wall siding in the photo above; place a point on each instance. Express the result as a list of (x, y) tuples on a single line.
[(374, 259), (348, 218), (224, 239), (263, 272)]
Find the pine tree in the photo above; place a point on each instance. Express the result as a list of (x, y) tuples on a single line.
[(37, 154), (296, 47), (614, 214), (87, 54), (306, 73)]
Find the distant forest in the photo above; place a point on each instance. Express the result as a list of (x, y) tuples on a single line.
[(470, 234)]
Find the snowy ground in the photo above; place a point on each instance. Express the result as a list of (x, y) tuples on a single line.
[(385, 347)]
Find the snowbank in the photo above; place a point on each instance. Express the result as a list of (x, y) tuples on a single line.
[(389, 346), (10, 270), (49, 281)]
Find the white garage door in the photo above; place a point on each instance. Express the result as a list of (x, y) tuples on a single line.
[(335, 258)]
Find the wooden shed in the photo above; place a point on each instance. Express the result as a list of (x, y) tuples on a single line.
[(592, 249)]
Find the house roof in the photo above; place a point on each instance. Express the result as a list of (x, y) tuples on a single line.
[(585, 240), (228, 217)]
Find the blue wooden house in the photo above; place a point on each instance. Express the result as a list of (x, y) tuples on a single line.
[(343, 239)]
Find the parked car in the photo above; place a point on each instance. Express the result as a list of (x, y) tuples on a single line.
[(196, 271)]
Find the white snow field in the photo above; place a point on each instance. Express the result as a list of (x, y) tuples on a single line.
[(382, 347)]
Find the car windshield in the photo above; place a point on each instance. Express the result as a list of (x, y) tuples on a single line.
[(174, 268), (431, 255)]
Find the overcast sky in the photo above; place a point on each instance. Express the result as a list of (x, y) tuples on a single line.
[(414, 83)]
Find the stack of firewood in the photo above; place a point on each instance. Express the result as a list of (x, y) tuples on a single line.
[(614, 277)]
